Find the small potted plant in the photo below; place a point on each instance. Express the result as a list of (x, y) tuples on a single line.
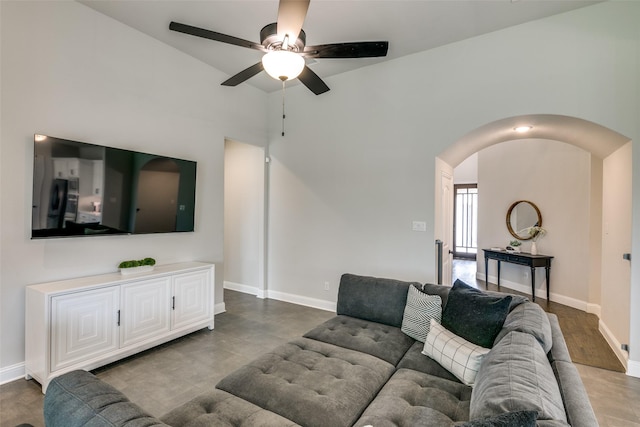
[(514, 246), (136, 266)]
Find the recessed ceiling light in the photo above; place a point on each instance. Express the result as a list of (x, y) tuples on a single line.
[(522, 129)]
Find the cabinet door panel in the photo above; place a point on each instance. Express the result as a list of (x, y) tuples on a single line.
[(145, 310), (83, 325), (192, 294)]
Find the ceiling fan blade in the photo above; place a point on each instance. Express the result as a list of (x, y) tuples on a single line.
[(312, 81), (244, 75), (291, 15), (212, 35), (347, 50)]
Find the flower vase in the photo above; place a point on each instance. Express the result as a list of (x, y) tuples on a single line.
[(534, 248)]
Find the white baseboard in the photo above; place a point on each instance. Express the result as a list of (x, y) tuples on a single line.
[(594, 309), (245, 289), (281, 296), (12, 373), (540, 292), (300, 300), (615, 345), (633, 368), (219, 308)]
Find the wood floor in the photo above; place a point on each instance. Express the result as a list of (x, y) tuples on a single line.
[(586, 344), (167, 376)]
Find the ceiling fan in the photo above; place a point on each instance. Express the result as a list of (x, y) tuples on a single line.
[(285, 51)]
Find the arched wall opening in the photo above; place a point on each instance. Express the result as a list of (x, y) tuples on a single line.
[(588, 271)]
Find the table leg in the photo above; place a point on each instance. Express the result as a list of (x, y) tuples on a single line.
[(548, 271), (486, 272), (533, 283), (498, 274)]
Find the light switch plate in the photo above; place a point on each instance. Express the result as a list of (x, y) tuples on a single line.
[(419, 226)]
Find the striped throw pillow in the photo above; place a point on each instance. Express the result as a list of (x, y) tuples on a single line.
[(454, 353), (418, 312)]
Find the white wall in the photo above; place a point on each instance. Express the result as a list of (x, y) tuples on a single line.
[(345, 192), (244, 217), (557, 178), (71, 72)]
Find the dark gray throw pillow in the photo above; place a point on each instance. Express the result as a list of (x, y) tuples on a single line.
[(474, 315), (509, 419)]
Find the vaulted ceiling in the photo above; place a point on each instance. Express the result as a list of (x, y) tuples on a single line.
[(409, 26)]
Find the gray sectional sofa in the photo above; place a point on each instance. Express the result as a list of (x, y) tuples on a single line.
[(362, 368)]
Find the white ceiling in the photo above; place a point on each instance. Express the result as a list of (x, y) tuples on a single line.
[(410, 26)]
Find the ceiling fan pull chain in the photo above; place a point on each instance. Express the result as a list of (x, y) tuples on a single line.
[(283, 115)]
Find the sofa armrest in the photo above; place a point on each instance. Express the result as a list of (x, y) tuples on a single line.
[(575, 398), (78, 398)]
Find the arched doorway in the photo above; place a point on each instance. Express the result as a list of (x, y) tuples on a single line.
[(605, 229)]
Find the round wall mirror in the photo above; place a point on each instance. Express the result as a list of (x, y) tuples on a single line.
[(522, 215)]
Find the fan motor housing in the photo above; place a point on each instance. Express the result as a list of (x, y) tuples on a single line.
[(269, 39)]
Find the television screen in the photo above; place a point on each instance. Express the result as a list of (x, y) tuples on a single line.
[(82, 189)]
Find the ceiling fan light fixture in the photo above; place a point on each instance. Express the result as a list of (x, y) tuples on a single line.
[(283, 64)]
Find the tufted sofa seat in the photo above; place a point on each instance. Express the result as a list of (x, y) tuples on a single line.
[(383, 341), (360, 369), (311, 382), (412, 398)]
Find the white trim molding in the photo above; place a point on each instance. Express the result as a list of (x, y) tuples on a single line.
[(282, 296), (615, 345), (219, 308), (300, 300), (12, 373), (239, 287), (540, 292), (594, 309), (633, 369)]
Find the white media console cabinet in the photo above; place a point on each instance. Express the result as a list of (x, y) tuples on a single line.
[(88, 322)]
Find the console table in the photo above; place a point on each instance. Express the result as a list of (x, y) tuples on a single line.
[(519, 258)]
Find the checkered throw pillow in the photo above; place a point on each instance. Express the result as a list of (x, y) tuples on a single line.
[(455, 354)]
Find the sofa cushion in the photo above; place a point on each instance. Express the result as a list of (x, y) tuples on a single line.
[(416, 399), (221, 409), (383, 341), (457, 355), (508, 419), (416, 360), (516, 376), (440, 290), (311, 382), (516, 300), (418, 312), (531, 319), (372, 298), (474, 315), (443, 292), (78, 398)]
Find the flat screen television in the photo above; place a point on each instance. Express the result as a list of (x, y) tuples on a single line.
[(82, 189)]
